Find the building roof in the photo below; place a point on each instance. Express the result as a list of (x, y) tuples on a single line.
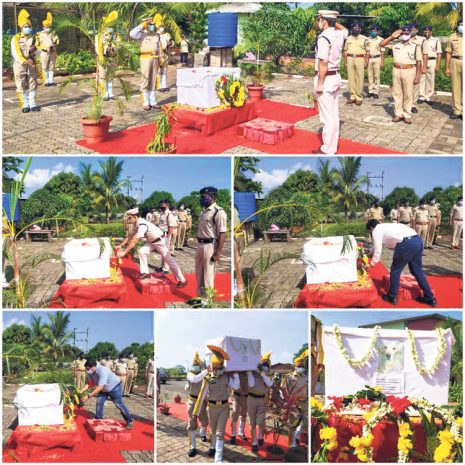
[(413, 318), (246, 7)]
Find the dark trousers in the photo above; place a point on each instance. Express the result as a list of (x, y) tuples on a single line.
[(116, 395), (409, 252), (184, 57)]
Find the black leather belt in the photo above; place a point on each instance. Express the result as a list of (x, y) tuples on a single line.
[(239, 394), (218, 402), (405, 222), (257, 396), (193, 397), (457, 57), (158, 240), (431, 58), (375, 56), (205, 241), (328, 73)]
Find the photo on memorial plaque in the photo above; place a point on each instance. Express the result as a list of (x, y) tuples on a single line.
[(233, 387), (78, 386), (348, 232), (116, 232), (386, 386), (234, 77)]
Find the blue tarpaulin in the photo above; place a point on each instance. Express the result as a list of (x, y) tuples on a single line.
[(6, 206), (246, 205)]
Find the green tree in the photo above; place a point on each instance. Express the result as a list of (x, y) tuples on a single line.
[(398, 195), (153, 200), (56, 335), (198, 26), (223, 199), (449, 13), (456, 365), (390, 16), (44, 204), (16, 334), (142, 352), (65, 183), (325, 177), (242, 183), (348, 183), (102, 348), (445, 198), (109, 184), (301, 181), (10, 165)]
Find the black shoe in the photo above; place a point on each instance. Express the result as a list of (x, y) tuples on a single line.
[(105, 99), (203, 438), (369, 95), (243, 437), (414, 110), (129, 425), (389, 299), (255, 448), (195, 303), (46, 84), (421, 101), (53, 84), (35, 109), (192, 453), (211, 452), (25, 110), (375, 96), (454, 116), (181, 249), (112, 97), (181, 284), (232, 440), (429, 102), (260, 442), (431, 303)]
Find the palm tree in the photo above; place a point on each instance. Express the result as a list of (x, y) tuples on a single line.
[(450, 12), (109, 184), (325, 177), (348, 183), (56, 335)]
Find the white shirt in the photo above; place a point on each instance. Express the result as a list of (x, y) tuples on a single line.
[(148, 230), (330, 44), (388, 234)]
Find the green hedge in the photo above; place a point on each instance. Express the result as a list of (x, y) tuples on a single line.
[(63, 376), (356, 228), (76, 63), (97, 230)]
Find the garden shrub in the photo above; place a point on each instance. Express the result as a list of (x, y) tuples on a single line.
[(80, 62), (43, 204), (356, 228), (98, 230)]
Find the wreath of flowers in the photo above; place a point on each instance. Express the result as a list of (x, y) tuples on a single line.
[(362, 260), (439, 356), (369, 353), (230, 91), (442, 428)]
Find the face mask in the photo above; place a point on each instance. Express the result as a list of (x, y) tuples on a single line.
[(460, 29), (404, 37), (89, 372), (181, 208), (300, 370), (161, 29), (131, 356), (47, 29), (265, 369), (195, 369), (373, 34), (110, 30), (413, 33), (433, 202), (27, 30), (205, 202), (151, 27), (460, 203)]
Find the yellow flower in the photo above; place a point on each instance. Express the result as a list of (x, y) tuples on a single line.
[(446, 437), (331, 445), (404, 445), (233, 88), (367, 440), (442, 454), (314, 403), (328, 433), (377, 388), (355, 442), (404, 430), (363, 457), (368, 415), (459, 421)]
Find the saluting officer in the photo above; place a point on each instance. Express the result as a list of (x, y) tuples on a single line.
[(47, 43), (327, 81), (433, 66), (406, 72), (423, 44), (356, 60), (211, 234), (454, 69), (375, 61), (150, 56)]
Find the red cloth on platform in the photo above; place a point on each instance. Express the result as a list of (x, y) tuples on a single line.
[(267, 131), (133, 297), (209, 123)]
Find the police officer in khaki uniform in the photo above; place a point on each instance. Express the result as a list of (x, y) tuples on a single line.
[(454, 69), (375, 212), (133, 371), (394, 213), (188, 227), (47, 43), (193, 386), (150, 57), (168, 224), (211, 235), (421, 221), (107, 362), (405, 213), (215, 392), (456, 223), (375, 61), (79, 371), (149, 376), (239, 409), (356, 60), (120, 368), (259, 383), (23, 50), (406, 72), (297, 383), (434, 216), (182, 222), (174, 235), (423, 44), (433, 66)]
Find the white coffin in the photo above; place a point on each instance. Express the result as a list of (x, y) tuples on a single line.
[(244, 354), (196, 86), (87, 258), (325, 264), (39, 404), (395, 372)]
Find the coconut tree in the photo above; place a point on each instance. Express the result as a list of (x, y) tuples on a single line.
[(348, 183), (109, 184), (325, 177), (449, 12), (56, 335)]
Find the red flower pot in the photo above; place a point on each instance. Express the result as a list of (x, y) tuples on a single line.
[(96, 131), (177, 399), (255, 93)]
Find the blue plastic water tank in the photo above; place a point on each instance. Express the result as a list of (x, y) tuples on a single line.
[(246, 205), (6, 199), (222, 29)]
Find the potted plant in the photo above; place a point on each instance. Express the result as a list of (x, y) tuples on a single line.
[(255, 90), (158, 144), (95, 126), (178, 398), (164, 408)]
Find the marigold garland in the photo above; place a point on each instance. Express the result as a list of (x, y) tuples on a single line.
[(230, 91)]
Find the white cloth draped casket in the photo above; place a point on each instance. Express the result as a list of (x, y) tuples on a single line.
[(39, 404), (391, 366), (87, 258), (244, 354), (324, 262), (196, 86)]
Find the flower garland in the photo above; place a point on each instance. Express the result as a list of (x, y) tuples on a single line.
[(441, 353), (404, 443), (362, 260), (230, 91), (366, 358)]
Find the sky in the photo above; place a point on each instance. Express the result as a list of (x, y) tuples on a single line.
[(178, 175), (179, 335), (420, 173), (354, 319), (121, 328)]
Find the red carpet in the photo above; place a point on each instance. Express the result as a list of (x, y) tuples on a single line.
[(190, 141), (447, 289), (142, 438), (132, 297), (180, 411)]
